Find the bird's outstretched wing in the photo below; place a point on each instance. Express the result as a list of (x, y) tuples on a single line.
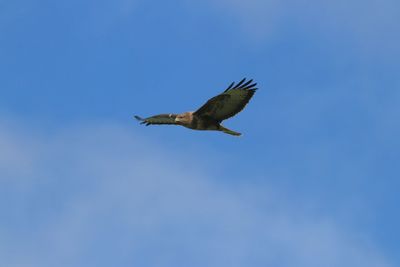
[(230, 102), (158, 119)]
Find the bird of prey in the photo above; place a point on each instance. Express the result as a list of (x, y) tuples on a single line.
[(213, 112)]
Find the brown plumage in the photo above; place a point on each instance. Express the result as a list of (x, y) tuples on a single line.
[(213, 112)]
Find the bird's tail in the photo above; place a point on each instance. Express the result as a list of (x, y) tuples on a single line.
[(227, 131)]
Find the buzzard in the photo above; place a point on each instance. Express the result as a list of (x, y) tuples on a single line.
[(213, 112)]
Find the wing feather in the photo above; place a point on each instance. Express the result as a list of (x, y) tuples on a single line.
[(230, 102), (230, 86), (158, 119)]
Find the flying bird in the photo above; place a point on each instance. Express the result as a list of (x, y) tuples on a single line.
[(213, 112)]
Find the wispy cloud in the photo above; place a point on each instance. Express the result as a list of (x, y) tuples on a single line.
[(369, 24), (100, 195)]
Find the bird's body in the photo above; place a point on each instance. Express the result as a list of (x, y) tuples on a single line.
[(213, 112)]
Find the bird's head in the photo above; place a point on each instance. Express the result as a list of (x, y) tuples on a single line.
[(184, 118)]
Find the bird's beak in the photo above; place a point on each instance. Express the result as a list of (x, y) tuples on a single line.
[(177, 119)]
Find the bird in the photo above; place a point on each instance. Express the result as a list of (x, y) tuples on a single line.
[(210, 115)]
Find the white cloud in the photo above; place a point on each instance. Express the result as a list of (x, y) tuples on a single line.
[(102, 195), (371, 25)]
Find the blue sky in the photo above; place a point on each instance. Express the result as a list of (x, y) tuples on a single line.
[(313, 181)]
